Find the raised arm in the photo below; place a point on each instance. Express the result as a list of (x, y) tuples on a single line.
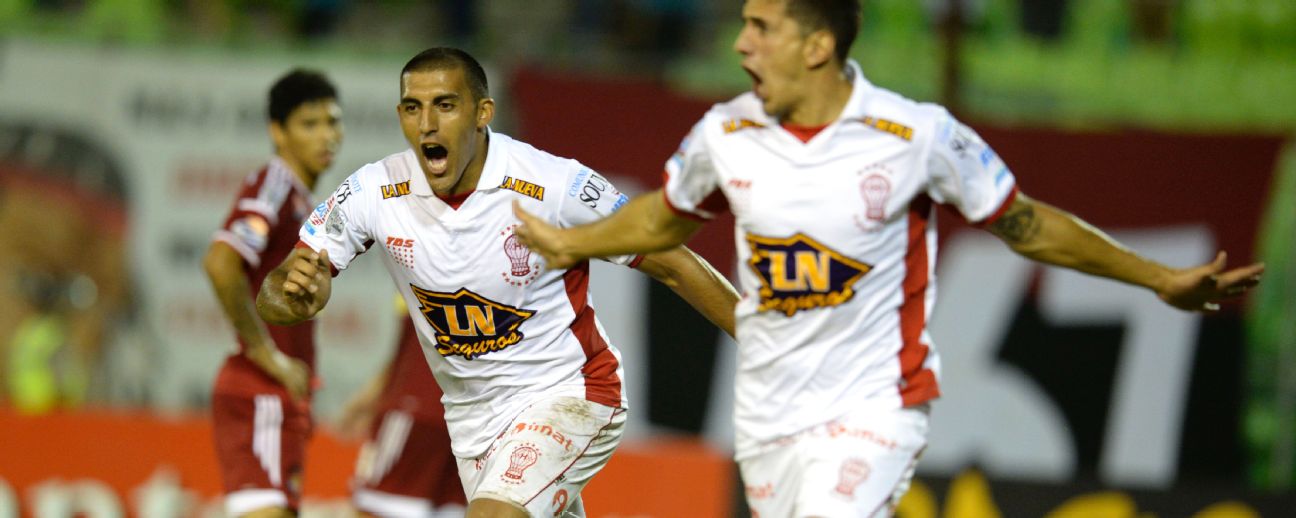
[(224, 269), (695, 281), (1050, 235), (297, 289), (643, 225)]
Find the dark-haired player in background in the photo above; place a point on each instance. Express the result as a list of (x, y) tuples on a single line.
[(261, 400), (405, 468)]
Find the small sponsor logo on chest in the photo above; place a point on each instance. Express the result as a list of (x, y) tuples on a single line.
[(395, 190), (523, 187), (401, 250)]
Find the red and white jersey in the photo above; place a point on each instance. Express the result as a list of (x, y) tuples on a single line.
[(262, 227), (499, 329), (836, 239)]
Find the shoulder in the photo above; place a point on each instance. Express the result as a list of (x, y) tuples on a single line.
[(528, 163), (271, 183), (369, 180), (891, 112), (742, 112)]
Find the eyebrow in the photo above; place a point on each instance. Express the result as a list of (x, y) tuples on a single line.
[(435, 100)]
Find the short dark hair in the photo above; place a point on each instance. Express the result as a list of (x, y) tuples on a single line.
[(840, 17), (296, 88), (441, 58)]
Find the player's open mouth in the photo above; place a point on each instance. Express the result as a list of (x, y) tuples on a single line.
[(756, 80), (435, 155)]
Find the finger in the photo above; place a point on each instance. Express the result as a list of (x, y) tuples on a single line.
[(307, 269), (520, 213), (323, 260), (292, 288), (306, 284), (1221, 260), (1245, 276)]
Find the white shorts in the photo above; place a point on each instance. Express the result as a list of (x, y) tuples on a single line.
[(546, 456), (856, 466)]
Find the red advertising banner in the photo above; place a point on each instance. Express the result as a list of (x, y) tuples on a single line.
[(122, 463)]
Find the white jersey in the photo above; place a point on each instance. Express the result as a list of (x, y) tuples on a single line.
[(499, 329), (836, 242)]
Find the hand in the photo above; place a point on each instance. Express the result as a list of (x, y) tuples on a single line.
[(308, 285), (542, 238), (357, 416), (1203, 287), (290, 372)]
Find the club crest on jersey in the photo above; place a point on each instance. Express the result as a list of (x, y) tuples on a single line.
[(875, 192), (733, 125), (798, 273), (521, 269), (468, 324), (523, 187)]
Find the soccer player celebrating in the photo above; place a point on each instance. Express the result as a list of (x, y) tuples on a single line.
[(534, 398), (261, 401), (833, 183), (405, 468)]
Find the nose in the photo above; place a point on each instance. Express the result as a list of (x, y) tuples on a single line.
[(428, 122), (742, 43)]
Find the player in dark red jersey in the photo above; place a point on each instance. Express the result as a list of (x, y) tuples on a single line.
[(406, 467), (261, 400)]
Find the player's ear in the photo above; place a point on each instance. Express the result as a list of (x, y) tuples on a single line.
[(278, 135), (485, 112), (819, 48)]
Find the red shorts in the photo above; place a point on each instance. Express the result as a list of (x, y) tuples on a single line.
[(406, 467), (260, 445)]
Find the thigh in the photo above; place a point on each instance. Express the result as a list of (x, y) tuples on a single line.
[(771, 479), (406, 466), (546, 455), (260, 446), (861, 465)]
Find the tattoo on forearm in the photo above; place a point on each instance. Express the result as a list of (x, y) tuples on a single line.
[(1018, 225)]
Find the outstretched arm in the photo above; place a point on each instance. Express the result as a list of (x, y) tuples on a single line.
[(1050, 235), (644, 225), (695, 281), (297, 289)]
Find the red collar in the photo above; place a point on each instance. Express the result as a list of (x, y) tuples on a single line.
[(804, 133), (454, 201)]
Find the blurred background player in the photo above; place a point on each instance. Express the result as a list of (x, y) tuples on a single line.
[(534, 393), (833, 183), (261, 400), (405, 468)]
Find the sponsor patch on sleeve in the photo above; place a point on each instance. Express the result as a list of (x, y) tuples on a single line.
[(595, 192), (252, 231)]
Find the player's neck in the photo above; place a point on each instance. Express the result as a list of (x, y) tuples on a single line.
[(472, 174), (825, 96), (299, 171)]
